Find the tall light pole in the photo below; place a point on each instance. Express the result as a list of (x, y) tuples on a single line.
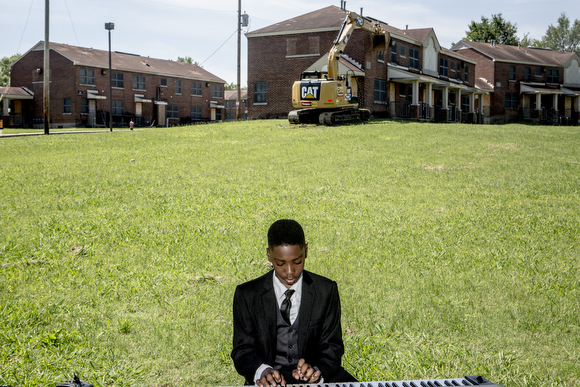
[(110, 26)]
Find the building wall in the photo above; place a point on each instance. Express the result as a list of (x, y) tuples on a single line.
[(279, 61), (65, 83)]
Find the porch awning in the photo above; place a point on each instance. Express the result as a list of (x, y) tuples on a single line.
[(94, 95), (570, 92), (17, 93), (527, 89), (141, 98), (345, 66)]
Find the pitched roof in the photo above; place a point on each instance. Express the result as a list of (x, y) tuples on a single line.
[(506, 53), (233, 94), (325, 19), (82, 56), (15, 93), (331, 19)]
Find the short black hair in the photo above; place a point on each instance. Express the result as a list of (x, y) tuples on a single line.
[(286, 232)]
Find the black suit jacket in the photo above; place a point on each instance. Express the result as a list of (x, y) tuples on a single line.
[(319, 332)]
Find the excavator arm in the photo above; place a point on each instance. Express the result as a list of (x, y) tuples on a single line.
[(351, 22)]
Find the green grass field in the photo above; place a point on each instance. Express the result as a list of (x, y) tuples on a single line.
[(456, 248)]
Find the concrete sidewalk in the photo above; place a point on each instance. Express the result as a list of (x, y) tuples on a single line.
[(2, 135)]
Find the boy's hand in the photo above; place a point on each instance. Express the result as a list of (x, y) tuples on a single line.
[(271, 377), (305, 372)]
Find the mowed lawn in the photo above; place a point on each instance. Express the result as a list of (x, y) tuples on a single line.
[(456, 248)]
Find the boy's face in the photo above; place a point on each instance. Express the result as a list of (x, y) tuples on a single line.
[(288, 262)]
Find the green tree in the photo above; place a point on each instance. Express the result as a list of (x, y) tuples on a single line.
[(496, 28), (563, 37), (5, 69), (231, 86), (188, 59)]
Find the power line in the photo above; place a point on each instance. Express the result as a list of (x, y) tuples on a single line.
[(219, 47), (25, 25), (71, 22)]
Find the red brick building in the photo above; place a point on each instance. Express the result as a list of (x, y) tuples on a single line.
[(231, 97), (146, 90), (412, 77), (527, 83)]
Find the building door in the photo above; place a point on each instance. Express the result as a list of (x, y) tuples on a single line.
[(92, 118)]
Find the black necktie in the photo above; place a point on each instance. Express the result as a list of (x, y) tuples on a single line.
[(286, 305)]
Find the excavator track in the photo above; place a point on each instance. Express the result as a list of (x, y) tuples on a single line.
[(328, 117)]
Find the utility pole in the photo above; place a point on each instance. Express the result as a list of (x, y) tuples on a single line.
[(239, 99), (46, 88)]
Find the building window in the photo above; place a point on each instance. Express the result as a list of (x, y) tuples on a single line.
[(394, 53), (164, 82), (538, 72), (196, 88), (403, 51), (466, 78), (511, 101), (381, 56), (138, 82), (177, 86), (452, 67), (465, 103), (380, 91), (218, 114), (172, 111), (84, 105), (527, 74), (512, 74), (67, 106), (87, 77), (117, 80), (216, 91), (117, 108), (458, 71), (227, 104), (413, 58), (552, 76), (196, 112), (260, 92), (443, 70)]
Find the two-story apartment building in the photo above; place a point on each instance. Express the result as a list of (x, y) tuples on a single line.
[(527, 83), (231, 104), (411, 77), (146, 90)]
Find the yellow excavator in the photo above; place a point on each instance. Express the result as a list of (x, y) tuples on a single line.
[(326, 98)]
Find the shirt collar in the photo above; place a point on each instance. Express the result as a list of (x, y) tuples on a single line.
[(280, 289)]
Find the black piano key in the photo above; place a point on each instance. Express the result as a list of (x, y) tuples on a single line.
[(394, 384), (413, 384), (430, 384), (423, 384), (447, 383), (405, 384), (437, 384)]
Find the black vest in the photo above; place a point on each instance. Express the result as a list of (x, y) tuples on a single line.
[(286, 343)]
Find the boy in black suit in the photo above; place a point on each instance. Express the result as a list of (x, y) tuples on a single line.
[(287, 322)]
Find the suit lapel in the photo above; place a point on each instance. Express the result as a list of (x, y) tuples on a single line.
[(306, 305), (269, 311)]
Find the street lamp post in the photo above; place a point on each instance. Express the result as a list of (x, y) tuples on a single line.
[(110, 26)]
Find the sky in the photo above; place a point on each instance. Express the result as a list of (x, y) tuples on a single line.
[(206, 30)]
